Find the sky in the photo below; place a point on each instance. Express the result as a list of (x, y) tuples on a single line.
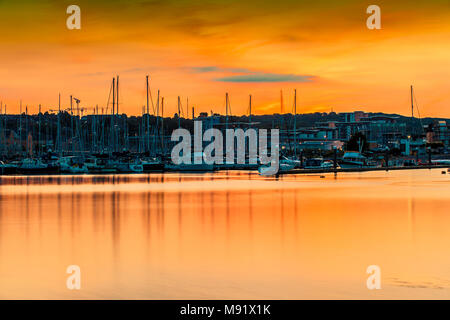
[(201, 49)]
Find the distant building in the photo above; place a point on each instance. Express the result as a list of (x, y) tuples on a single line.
[(409, 146)]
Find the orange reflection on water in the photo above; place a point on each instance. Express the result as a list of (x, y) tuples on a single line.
[(226, 235)]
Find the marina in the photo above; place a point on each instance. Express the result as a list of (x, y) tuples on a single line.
[(93, 140)]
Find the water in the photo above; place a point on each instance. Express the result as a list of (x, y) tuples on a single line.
[(226, 235)]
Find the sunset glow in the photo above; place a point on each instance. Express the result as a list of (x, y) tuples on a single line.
[(202, 49)]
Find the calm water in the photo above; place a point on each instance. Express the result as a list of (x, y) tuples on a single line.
[(226, 235)]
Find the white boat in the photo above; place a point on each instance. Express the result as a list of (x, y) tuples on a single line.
[(283, 166), (354, 159), (441, 162), (296, 163), (128, 166), (36, 166), (99, 165)]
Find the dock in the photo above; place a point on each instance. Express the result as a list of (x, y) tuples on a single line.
[(337, 170)]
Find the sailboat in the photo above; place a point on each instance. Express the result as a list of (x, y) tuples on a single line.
[(284, 165), (36, 166)]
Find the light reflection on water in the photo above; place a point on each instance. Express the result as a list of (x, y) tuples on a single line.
[(226, 235)]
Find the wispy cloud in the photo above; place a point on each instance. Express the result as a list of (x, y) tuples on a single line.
[(218, 69), (246, 75), (266, 77)]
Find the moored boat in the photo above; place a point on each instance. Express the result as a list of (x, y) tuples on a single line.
[(7, 168), (283, 166), (354, 159), (36, 166), (100, 165), (152, 165), (72, 165)]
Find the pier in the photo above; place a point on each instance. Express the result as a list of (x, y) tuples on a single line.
[(337, 170)]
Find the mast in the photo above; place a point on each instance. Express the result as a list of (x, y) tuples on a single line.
[(147, 136), (116, 133), (162, 125), (113, 111), (295, 121), (412, 102), (117, 94), (226, 110), (156, 127), (179, 112), (71, 123), (250, 110), (20, 122), (114, 96), (39, 135), (59, 125), (146, 78)]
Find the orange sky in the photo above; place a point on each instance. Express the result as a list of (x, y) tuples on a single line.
[(202, 49)]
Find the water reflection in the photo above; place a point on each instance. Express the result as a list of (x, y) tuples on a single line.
[(225, 235)]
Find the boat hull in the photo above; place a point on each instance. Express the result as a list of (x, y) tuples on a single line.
[(6, 170), (152, 167), (189, 167), (353, 165), (37, 171)]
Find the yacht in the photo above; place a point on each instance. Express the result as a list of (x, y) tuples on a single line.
[(128, 166), (99, 165), (152, 165), (283, 167), (36, 166), (7, 168), (354, 159)]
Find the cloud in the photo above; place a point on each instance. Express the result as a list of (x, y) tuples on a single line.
[(246, 75), (266, 77), (218, 69)]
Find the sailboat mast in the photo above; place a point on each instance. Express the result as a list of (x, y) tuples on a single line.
[(179, 112), (39, 130), (162, 125), (59, 125), (295, 121), (117, 94), (250, 110), (412, 102), (226, 110), (116, 134)]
